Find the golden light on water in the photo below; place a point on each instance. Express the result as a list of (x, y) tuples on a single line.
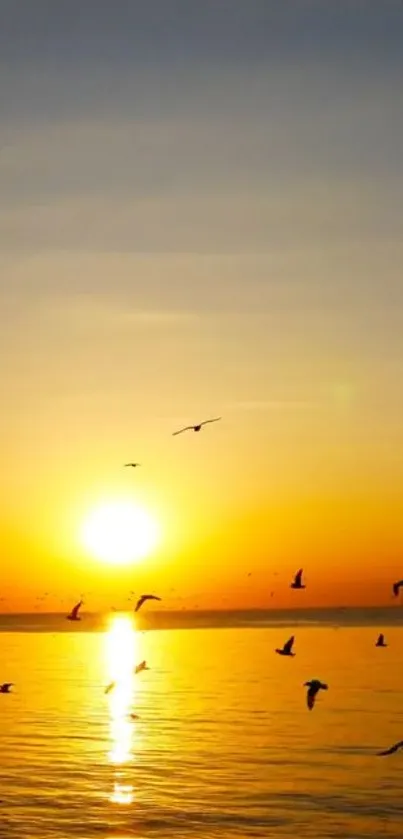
[(120, 658)]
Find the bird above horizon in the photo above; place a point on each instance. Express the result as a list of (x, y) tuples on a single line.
[(133, 465), (297, 581), (5, 688), (381, 641), (73, 615), (314, 686), (396, 586), (143, 599), (195, 427), (140, 667), (287, 649), (392, 749)]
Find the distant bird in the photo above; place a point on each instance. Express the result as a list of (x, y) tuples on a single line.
[(391, 750), (73, 616), (132, 464), (195, 427), (314, 686), (381, 641), (287, 649), (297, 581), (396, 587), (134, 716), (140, 667), (110, 687), (5, 688), (143, 599)]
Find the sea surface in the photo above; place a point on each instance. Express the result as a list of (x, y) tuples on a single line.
[(224, 745)]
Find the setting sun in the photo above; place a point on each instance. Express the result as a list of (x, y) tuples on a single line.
[(119, 532)]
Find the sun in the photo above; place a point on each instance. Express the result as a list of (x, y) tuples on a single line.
[(119, 532)]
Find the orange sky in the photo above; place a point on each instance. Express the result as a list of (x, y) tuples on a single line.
[(223, 240)]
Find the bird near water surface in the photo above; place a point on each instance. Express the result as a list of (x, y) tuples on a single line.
[(143, 599), (73, 615), (314, 686), (392, 749), (6, 687), (381, 641), (396, 587), (287, 649), (297, 581)]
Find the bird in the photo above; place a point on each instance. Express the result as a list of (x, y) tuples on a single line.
[(195, 427), (314, 686), (134, 716), (143, 599), (396, 586), (297, 581), (287, 649), (391, 750), (5, 688), (73, 616), (140, 667), (110, 687), (381, 641), (132, 464)]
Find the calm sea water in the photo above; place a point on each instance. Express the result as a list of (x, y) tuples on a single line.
[(224, 745)]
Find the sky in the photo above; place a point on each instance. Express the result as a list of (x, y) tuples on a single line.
[(201, 215)]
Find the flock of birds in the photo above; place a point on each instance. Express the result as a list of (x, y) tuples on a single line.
[(314, 685)]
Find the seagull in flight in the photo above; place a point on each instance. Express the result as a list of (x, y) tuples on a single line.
[(110, 687), (287, 649), (140, 667), (391, 750), (381, 641), (314, 686), (133, 465), (396, 586), (73, 616), (5, 688), (143, 599), (297, 581), (195, 427)]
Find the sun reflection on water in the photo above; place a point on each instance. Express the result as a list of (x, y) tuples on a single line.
[(120, 656)]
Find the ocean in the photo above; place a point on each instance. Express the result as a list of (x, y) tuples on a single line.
[(222, 745)]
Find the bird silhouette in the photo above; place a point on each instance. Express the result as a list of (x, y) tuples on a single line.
[(392, 749), (314, 686), (140, 667), (287, 649), (73, 616), (195, 427), (396, 586), (297, 581), (133, 465), (381, 641), (143, 599), (110, 687), (5, 688)]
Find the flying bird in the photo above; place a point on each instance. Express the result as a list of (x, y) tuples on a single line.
[(132, 464), (140, 667), (396, 587), (195, 427), (314, 686), (73, 616), (5, 688), (297, 581), (287, 649), (391, 750), (381, 641), (143, 599), (110, 687)]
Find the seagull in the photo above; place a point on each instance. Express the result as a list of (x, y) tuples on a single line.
[(143, 599), (132, 464), (195, 427), (140, 667), (286, 650), (381, 641), (297, 581), (391, 750), (73, 616), (314, 686), (134, 716), (5, 688), (110, 687), (396, 587)]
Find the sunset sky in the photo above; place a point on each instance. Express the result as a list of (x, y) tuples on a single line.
[(201, 215)]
